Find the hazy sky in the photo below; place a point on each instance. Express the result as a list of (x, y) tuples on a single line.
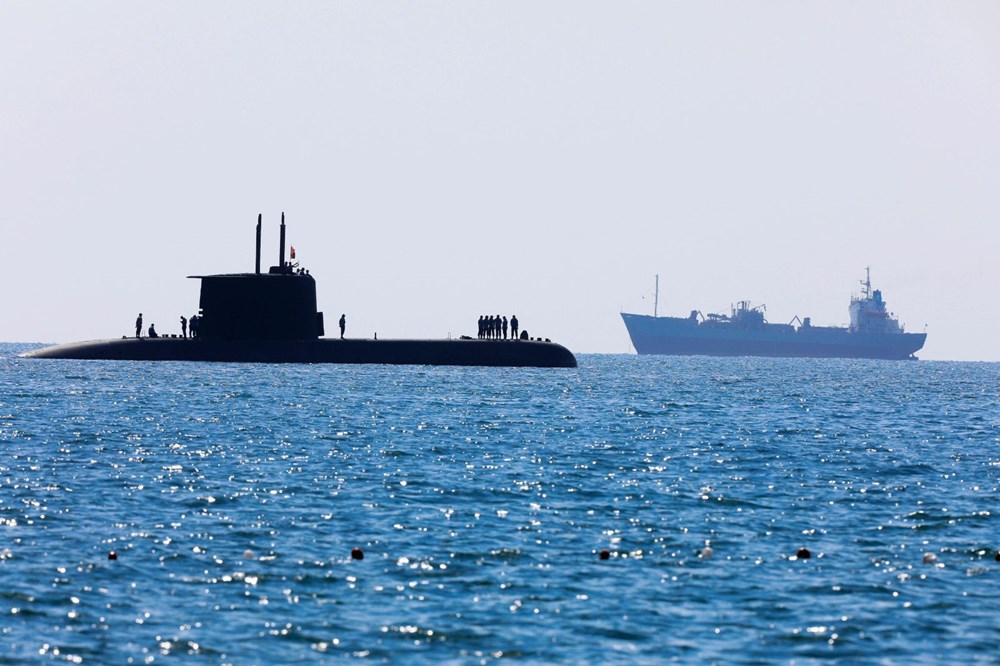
[(442, 160)]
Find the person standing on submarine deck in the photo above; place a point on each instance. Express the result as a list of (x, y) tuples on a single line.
[(343, 325)]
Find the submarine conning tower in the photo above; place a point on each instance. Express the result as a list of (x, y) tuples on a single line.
[(277, 305)]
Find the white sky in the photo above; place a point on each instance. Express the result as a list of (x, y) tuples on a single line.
[(442, 160)]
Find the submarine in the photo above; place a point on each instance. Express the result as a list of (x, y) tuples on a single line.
[(272, 318)]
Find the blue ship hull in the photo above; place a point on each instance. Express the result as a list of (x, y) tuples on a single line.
[(687, 337)]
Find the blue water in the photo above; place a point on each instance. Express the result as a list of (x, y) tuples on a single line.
[(233, 495)]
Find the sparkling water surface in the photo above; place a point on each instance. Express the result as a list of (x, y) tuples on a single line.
[(482, 497)]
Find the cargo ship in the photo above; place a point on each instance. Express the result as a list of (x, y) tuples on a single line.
[(271, 317), (873, 333)]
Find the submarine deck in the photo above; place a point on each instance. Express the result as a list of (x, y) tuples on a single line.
[(461, 352)]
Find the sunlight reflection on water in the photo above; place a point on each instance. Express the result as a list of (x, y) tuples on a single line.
[(233, 496)]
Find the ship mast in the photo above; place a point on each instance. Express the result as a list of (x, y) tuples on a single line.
[(868, 282), (656, 296)]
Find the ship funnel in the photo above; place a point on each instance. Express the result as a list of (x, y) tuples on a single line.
[(281, 246), (257, 265)]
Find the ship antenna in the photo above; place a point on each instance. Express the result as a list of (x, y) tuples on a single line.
[(281, 246), (656, 297), (257, 266), (868, 281)]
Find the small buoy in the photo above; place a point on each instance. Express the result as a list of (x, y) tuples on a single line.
[(357, 554), (930, 558), (247, 554), (803, 554), (112, 555), (706, 552), (604, 555)]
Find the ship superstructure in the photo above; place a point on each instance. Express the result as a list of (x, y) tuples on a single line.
[(868, 313)]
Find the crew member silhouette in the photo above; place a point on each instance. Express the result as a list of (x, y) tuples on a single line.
[(503, 327), (343, 325), (513, 327), (481, 318), (184, 326), (152, 331), (138, 325)]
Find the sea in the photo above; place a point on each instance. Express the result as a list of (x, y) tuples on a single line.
[(750, 510)]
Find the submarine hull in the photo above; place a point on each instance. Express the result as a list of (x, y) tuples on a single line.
[(499, 353)]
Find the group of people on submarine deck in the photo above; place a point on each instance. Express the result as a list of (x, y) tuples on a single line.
[(151, 333), (288, 268), (196, 320), (495, 328)]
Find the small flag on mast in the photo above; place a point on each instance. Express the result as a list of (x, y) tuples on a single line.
[(293, 252)]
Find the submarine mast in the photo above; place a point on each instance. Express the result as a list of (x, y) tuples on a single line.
[(257, 266), (281, 245)]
